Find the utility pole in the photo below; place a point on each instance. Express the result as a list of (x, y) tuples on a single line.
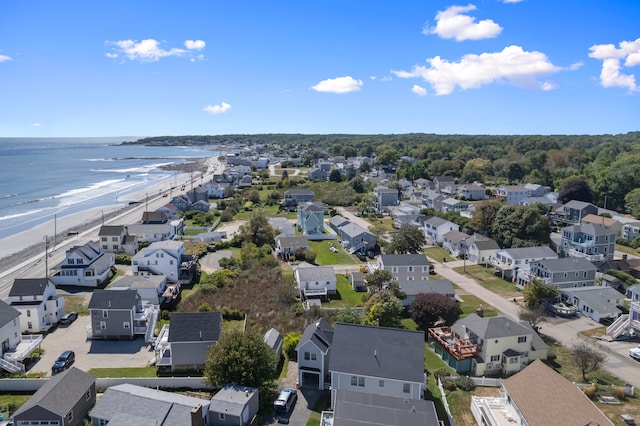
[(46, 256)]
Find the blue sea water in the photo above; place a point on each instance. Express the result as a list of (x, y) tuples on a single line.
[(44, 177)]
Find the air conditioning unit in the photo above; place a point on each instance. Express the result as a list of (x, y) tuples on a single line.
[(489, 366)]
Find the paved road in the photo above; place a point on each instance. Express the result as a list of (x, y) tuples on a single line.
[(564, 331)]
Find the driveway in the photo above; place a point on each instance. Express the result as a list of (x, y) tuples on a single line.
[(211, 261), (91, 353)]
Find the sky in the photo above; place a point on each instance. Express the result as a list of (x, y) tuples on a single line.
[(152, 68)]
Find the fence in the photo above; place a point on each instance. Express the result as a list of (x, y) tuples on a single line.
[(32, 385), (480, 381)]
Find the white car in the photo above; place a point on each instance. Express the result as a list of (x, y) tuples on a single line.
[(333, 249), (635, 353)]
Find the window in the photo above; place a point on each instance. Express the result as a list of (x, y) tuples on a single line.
[(70, 261), (522, 339), (29, 325), (495, 358), (103, 239), (105, 314), (313, 356), (357, 381), (406, 387), (70, 416), (221, 415), (513, 360), (79, 262), (88, 395), (126, 325), (410, 268), (381, 383), (103, 325), (28, 312)]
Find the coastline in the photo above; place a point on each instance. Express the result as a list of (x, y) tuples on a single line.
[(20, 246)]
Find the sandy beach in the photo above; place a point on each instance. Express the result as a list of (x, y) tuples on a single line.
[(16, 248)]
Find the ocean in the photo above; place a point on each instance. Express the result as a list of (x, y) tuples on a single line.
[(41, 178)]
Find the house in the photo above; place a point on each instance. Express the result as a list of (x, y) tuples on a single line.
[(315, 281), (183, 344), (149, 287), (441, 182), (166, 258), (116, 239), (358, 408), (628, 265), (215, 189), (405, 267), (310, 218), (433, 200), (631, 230), (389, 361), (455, 242), (336, 222), (287, 247), (357, 281), (596, 302), (313, 355), (317, 175), (385, 197), (356, 238), (170, 210), (628, 324), (593, 242), (561, 273), (120, 314), (536, 190), (608, 222), (84, 266), (453, 205), (273, 339), (282, 226), (36, 300), (538, 396), (481, 249), (472, 192), (511, 194), (151, 233), (487, 346), (294, 196), (15, 346), (157, 217), (233, 405), (574, 211), (412, 288), (423, 183), (435, 227), (509, 261), (65, 399), (128, 404)]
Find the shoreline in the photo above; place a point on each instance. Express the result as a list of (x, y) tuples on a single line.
[(28, 243)]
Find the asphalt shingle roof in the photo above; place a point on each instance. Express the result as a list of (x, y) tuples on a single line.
[(404, 260), (113, 299), (195, 326), (7, 313), (28, 287)]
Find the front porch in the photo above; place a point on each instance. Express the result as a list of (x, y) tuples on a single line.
[(12, 359)]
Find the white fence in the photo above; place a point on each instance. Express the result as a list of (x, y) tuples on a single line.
[(32, 385), (479, 381)]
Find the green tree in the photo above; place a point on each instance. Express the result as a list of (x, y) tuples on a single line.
[(484, 215), (257, 230), (521, 226), (350, 315), (632, 202), (378, 279), (515, 172), (427, 308), (536, 292), (335, 176), (575, 189), (244, 359), (383, 309), (289, 343), (407, 239)]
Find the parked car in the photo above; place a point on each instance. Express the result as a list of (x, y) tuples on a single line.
[(635, 353), (63, 362), (285, 401), (68, 318), (361, 256)]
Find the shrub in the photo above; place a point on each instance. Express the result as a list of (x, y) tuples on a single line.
[(618, 391), (231, 314), (442, 372), (465, 383), (164, 315), (449, 385), (289, 344), (123, 259), (205, 307), (590, 391)]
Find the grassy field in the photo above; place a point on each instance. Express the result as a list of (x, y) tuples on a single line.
[(346, 296), (438, 253), (486, 278), (471, 303), (269, 211), (10, 403), (76, 303), (324, 256), (123, 372), (628, 250)]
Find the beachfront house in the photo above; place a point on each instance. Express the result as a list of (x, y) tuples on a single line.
[(594, 242), (166, 258), (487, 346), (129, 404), (150, 287), (63, 400), (120, 314), (116, 239), (84, 266), (36, 300), (183, 344)]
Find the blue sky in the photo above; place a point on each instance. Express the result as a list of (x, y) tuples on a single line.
[(148, 68)]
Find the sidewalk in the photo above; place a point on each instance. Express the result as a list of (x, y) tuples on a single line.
[(563, 331)]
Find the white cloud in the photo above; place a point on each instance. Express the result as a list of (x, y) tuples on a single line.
[(149, 50), (5, 58), (611, 74), (36, 124), (195, 44), (511, 1), (419, 90), (222, 108), (453, 23), (548, 85), (338, 85), (512, 65)]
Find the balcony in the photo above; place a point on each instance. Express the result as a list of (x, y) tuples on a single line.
[(492, 411), (459, 348), (589, 257), (22, 350)]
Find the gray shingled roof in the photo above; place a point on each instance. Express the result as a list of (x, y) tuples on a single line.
[(138, 282), (113, 299), (28, 287), (530, 252), (320, 333), (568, 264), (491, 328), (404, 260), (110, 230), (360, 409), (231, 399), (7, 313), (295, 241), (353, 230), (378, 352), (412, 288), (61, 392), (316, 273), (599, 298), (486, 244), (195, 326), (436, 221)]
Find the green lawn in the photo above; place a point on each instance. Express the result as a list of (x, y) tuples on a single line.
[(232, 325), (345, 296), (324, 256), (123, 372), (486, 278), (269, 211), (438, 253), (409, 324), (628, 250), (471, 303), (10, 403), (192, 232)]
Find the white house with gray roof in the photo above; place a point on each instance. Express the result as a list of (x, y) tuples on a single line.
[(561, 273), (595, 302), (315, 281), (481, 249), (412, 288), (509, 261), (84, 266), (287, 247), (313, 352), (511, 194), (377, 360), (36, 300), (129, 404), (435, 227), (354, 237)]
